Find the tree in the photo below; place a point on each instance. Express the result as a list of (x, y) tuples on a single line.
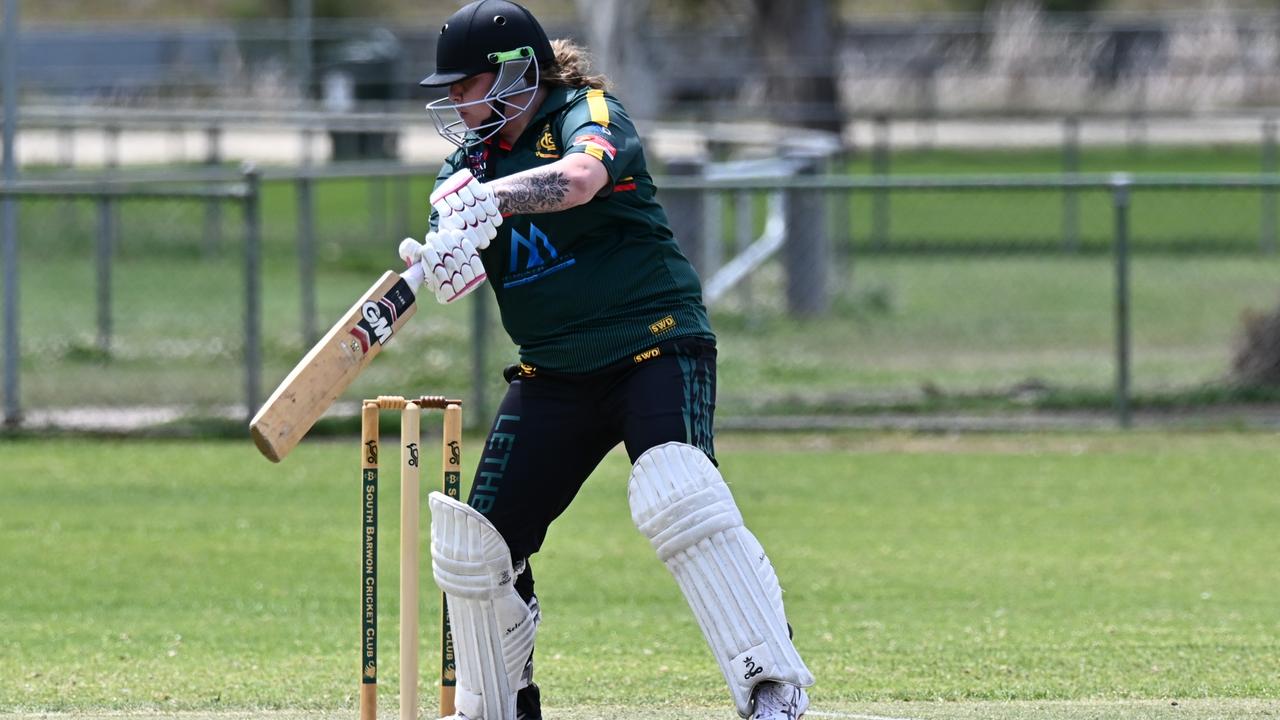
[(617, 35), (794, 44), (797, 45)]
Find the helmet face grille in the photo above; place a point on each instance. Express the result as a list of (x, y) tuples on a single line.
[(511, 82)]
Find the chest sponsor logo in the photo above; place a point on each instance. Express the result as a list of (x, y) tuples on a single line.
[(546, 147), (662, 325), (533, 257)]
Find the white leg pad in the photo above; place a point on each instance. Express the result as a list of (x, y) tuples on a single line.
[(493, 629), (682, 504)]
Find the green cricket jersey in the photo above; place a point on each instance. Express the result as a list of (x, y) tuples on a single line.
[(586, 287)]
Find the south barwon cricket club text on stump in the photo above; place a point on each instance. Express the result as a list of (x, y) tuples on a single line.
[(410, 477)]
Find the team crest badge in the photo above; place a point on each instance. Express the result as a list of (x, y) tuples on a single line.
[(546, 147)]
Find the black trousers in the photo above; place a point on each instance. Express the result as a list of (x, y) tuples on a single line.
[(552, 430)]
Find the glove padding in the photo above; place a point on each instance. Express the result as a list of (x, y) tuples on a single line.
[(467, 205), (449, 261)]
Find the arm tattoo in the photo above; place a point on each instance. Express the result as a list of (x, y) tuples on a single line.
[(536, 192)]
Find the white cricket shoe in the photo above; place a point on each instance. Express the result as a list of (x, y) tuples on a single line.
[(779, 701)]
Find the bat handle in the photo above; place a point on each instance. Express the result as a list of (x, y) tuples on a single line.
[(414, 276)]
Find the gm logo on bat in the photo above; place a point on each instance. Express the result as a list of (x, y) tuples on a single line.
[(377, 317), (373, 325)]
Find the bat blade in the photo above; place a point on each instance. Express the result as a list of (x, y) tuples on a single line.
[(329, 368)]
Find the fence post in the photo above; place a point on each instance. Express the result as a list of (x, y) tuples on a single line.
[(1120, 200), (12, 353), (252, 293), (111, 147), (1267, 236), (744, 235), (307, 144), (106, 230), (880, 197), (713, 231), (9, 214), (213, 209), (685, 213), (1070, 196), (807, 256), (307, 255), (479, 359), (300, 38)]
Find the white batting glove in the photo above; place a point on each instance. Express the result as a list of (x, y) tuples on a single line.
[(449, 261), (467, 205)]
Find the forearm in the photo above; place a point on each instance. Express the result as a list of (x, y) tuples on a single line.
[(563, 184)]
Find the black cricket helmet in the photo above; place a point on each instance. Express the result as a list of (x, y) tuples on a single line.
[(474, 39), (495, 36)]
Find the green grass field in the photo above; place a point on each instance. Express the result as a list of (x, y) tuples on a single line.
[(1007, 576)]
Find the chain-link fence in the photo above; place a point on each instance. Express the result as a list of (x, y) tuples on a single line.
[(158, 297), (976, 305), (117, 300), (137, 303)]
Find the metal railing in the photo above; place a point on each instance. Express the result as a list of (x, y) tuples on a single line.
[(790, 232), (811, 241), (878, 140), (108, 193)]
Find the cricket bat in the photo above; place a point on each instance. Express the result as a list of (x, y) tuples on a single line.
[(328, 369)]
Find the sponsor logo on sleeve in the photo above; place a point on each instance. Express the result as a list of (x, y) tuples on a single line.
[(592, 139)]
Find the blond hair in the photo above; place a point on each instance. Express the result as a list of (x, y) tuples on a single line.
[(571, 67)]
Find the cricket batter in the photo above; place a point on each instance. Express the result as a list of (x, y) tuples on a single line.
[(548, 197)]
